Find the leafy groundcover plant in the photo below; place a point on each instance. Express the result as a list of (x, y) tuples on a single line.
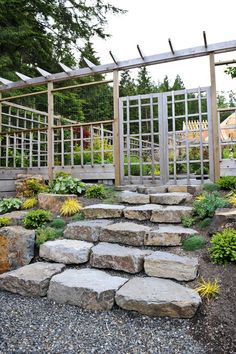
[(67, 185), (227, 182), (205, 205), (4, 221), (193, 243), (29, 203), (44, 234), (96, 191)]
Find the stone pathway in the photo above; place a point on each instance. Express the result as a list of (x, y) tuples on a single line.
[(106, 241)]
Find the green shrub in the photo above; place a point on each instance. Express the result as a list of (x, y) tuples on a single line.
[(29, 203), (223, 246), (187, 221), (9, 204), (204, 206), (37, 218), (205, 223), (58, 224), (67, 185), (193, 243), (44, 234), (78, 217), (211, 187), (5, 221), (96, 191), (227, 182)]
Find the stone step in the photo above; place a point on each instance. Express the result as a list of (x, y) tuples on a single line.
[(168, 235), (85, 230), (158, 297), (103, 211), (170, 198), (170, 214), (140, 212), (185, 189), (87, 288), (133, 198), (150, 190), (66, 251), (30, 280), (113, 256), (127, 233), (169, 265)]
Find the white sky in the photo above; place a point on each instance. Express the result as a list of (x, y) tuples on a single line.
[(150, 23)]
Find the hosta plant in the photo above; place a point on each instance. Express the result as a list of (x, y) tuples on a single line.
[(29, 203), (4, 221), (70, 207), (223, 246), (9, 204), (207, 289), (67, 185), (37, 218)]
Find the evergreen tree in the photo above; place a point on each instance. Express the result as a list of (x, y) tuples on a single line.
[(144, 82), (127, 84)]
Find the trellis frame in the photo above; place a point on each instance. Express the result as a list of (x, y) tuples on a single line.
[(115, 67)]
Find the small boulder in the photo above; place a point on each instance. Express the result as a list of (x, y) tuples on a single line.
[(16, 247), (53, 202)]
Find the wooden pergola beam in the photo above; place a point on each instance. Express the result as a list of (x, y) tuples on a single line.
[(126, 64)]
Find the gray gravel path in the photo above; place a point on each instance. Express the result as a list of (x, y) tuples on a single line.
[(34, 325)]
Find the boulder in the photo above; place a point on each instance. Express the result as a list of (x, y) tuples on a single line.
[(158, 297), (167, 235), (103, 211), (16, 216), (85, 230), (224, 217), (21, 184), (53, 202), (113, 256), (16, 247), (170, 214), (170, 198), (87, 288), (169, 265), (30, 280), (127, 233), (133, 198), (66, 251), (142, 212)]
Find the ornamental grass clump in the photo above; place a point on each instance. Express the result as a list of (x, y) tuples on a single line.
[(37, 218), (4, 221), (9, 204), (223, 246), (193, 243), (70, 207), (29, 203), (207, 289)]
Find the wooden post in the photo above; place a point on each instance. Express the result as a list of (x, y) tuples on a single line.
[(50, 130), (116, 132), (215, 175), (0, 113)]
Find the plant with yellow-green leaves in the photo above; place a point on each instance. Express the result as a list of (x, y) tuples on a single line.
[(207, 289), (232, 199), (4, 221), (29, 203), (70, 207)]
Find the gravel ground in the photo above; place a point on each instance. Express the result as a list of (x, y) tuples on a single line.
[(37, 325)]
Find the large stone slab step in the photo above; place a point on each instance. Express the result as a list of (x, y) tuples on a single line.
[(140, 212), (30, 280), (170, 198), (133, 198), (128, 233), (103, 211), (86, 230), (66, 251), (168, 235), (158, 297), (170, 214), (113, 256), (87, 288), (169, 265)]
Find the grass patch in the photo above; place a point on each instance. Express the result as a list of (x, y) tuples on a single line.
[(58, 224)]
